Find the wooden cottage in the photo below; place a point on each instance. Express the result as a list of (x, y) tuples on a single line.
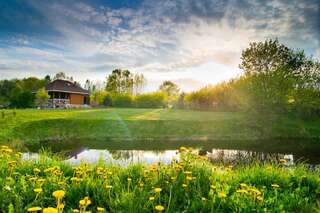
[(65, 94)]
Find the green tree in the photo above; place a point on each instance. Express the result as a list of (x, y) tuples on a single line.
[(169, 88), (120, 82), (42, 97), (139, 82)]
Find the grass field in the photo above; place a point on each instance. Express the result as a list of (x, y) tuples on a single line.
[(147, 124), (190, 184)]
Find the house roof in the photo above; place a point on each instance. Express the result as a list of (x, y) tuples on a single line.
[(60, 85)]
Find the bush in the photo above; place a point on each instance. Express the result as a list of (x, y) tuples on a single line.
[(122, 100), (150, 100), (101, 98)]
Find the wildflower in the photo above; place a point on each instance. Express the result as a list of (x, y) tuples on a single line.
[(151, 198), (85, 201), (275, 186), (36, 170), (242, 191), (256, 191), (184, 185), (129, 179), (203, 199), (100, 209), (159, 208), (187, 173), (183, 149), (75, 210), (50, 210), (58, 194), (34, 209), (189, 178), (243, 185), (259, 198), (37, 190), (108, 187), (157, 190), (173, 178), (222, 195)]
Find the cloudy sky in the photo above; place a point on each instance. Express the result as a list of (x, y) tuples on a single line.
[(193, 42)]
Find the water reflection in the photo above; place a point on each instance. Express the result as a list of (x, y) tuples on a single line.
[(125, 157)]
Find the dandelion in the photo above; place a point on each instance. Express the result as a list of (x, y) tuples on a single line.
[(259, 198), (37, 190), (100, 209), (222, 195), (159, 208), (189, 178), (157, 190), (58, 194), (108, 187), (34, 209), (275, 186), (151, 198), (184, 185), (242, 191), (85, 202), (50, 210), (36, 170)]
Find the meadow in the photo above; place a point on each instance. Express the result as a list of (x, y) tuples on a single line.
[(32, 126), (188, 184)]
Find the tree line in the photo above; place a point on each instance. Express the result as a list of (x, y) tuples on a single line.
[(275, 79)]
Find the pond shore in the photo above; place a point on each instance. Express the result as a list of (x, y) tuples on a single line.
[(149, 125)]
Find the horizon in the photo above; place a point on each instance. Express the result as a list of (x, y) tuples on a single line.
[(88, 39)]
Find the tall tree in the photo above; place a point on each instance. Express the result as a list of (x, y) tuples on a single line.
[(139, 82), (42, 97), (169, 88), (120, 81)]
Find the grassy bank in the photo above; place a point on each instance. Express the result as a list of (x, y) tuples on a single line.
[(191, 184), (147, 124)]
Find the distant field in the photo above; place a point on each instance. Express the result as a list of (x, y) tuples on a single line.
[(146, 124)]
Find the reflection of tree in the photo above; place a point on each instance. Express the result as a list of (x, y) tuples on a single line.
[(121, 154)]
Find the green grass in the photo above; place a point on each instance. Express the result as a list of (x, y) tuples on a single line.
[(147, 124), (191, 184)]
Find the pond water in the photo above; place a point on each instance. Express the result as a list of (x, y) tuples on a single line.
[(234, 152)]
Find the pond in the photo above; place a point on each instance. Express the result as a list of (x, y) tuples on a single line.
[(234, 152)]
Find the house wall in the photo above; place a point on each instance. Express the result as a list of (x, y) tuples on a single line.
[(76, 99)]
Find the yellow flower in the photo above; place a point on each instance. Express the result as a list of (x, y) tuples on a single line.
[(275, 186), (256, 191), (75, 210), (85, 201), (151, 198), (50, 210), (184, 185), (259, 198), (283, 161), (243, 185), (60, 206), (34, 209), (242, 191), (108, 187), (37, 190), (58, 194), (222, 195), (129, 179), (189, 178), (36, 170), (203, 199), (157, 190), (159, 208), (183, 149), (100, 209)]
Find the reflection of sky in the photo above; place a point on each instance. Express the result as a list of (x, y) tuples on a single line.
[(125, 157)]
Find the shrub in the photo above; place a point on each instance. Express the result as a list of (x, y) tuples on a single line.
[(122, 100), (150, 100)]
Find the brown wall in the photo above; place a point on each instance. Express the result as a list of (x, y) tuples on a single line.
[(76, 99)]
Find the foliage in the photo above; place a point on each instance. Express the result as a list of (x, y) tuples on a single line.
[(122, 100), (99, 98), (139, 82), (120, 81), (191, 184), (42, 97), (169, 88), (150, 100)]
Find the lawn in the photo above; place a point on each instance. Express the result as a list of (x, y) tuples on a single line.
[(33, 125)]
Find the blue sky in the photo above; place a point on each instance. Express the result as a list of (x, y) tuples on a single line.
[(193, 42)]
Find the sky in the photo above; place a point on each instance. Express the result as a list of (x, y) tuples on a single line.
[(192, 42)]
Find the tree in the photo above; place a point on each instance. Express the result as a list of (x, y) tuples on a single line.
[(169, 88), (62, 76), (42, 97), (90, 86), (139, 81), (120, 81)]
